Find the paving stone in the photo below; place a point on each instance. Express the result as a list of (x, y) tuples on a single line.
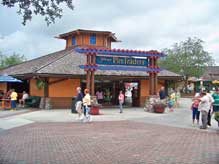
[(113, 142)]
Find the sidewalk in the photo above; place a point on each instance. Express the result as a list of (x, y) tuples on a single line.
[(134, 137), (181, 117)]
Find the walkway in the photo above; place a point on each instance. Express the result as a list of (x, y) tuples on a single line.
[(134, 137)]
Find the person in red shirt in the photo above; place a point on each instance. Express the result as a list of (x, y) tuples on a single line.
[(195, 111)]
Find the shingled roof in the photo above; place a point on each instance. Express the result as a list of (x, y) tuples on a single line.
[(66, 63), (211, 73)]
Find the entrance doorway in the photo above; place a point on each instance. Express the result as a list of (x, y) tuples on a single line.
[(132, 94), (111, 91)]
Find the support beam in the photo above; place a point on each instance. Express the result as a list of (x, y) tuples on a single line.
[(93, 62), (46, 88), (92, 84), (155, 83), (88, 77), (88, 80), (57, 81)]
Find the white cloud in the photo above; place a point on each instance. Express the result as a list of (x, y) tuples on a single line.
[(139, 24)]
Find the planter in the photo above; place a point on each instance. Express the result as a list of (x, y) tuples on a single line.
[(94, 110), (159, 108)]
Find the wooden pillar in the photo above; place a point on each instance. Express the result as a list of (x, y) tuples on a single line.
[(88, 76), (155, 76), (88, 80), (151, 77), (155, 83), (150, 83), (93, 62), (92, 83)]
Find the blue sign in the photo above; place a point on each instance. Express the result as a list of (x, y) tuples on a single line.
[(103, 60)]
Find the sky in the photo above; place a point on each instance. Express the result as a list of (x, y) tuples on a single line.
[(139, 24)]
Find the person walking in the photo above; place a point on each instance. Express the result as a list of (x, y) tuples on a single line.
[(211, 100), (203, 107), (121, 101), (162, 93), (87, 104), (195, 111), (178, 95), (78, 104), (171, 101), (99, 95), (13, 97), (216, 105), (22, 100)]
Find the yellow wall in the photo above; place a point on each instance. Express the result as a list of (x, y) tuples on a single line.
[(65, 88), (145, 87), (3, 87), (33, 89), (144, 90)]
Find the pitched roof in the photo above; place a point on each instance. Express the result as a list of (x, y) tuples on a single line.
[(66, 63), (79, 31), (211, 73)]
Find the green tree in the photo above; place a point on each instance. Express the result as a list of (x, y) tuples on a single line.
[(6, 61), (187, 58), (50, 9)]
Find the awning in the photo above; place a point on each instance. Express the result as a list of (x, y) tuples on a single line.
[(9, 79)]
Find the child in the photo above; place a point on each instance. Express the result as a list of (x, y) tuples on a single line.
[(195, 111), (172, 101)]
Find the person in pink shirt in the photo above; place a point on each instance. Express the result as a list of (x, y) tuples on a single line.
[(99, 95), (121, 101), (195, 111)]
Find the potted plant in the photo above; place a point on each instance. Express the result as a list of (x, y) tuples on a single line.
[(95, 107), (154, 104), (40, 84), (159, 107)]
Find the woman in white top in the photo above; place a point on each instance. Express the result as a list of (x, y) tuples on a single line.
[(24, 97), (87, 105)]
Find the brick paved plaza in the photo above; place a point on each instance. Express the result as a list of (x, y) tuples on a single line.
[(112, 142)]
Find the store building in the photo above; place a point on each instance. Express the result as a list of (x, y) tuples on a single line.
[(57, 75)]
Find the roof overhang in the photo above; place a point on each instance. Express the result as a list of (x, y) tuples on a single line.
[(81, 31)]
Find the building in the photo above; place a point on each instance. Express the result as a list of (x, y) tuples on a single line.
[(57, 75)]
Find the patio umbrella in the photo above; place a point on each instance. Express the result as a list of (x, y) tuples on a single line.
[(215, 82), (5, 79)]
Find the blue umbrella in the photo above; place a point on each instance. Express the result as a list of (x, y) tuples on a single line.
[(5, 79)]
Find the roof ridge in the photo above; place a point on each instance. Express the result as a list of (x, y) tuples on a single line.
[(37, 58), (70, 50)]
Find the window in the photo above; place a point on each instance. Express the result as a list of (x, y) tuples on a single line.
[(93, 39), (73, 40)]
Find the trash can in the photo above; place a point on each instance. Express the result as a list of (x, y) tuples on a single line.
[(73, 110)]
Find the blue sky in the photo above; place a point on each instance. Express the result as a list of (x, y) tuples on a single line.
[(140, 24)]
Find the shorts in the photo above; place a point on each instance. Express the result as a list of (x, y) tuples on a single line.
[(78, 106), (195, 113), (215, 108)]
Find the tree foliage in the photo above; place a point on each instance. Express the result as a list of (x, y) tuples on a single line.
[(50, 9), (6, 61), (187, 58)]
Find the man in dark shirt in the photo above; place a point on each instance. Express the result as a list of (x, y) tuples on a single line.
[(162, 93), (78, 104)]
